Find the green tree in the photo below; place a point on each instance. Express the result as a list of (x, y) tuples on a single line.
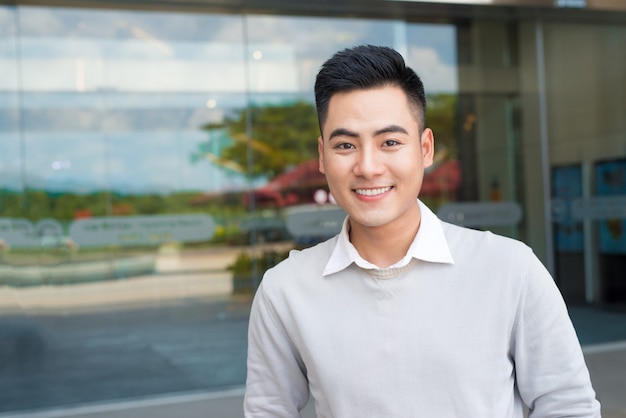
[(11, 205), (282, 136), (37, 205), (65, 206), (441, 118)]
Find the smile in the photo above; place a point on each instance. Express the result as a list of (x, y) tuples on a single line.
[(372, 192)]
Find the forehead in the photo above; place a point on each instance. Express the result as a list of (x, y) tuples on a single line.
[(382, 104)]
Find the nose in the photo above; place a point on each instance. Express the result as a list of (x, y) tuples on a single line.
[(369, 163)]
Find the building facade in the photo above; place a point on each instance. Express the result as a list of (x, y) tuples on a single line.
[(156, 156)]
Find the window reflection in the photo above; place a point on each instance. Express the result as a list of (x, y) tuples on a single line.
[(130, 51), (102, 229), (431, 51), (303, 44), (150, 175)]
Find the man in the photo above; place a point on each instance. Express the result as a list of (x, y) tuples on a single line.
[(401, 314)]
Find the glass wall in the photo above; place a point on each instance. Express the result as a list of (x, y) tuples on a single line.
[(110, 256), (152, 166), (587, 146), (489, 132)]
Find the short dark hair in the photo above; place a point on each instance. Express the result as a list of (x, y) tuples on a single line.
[(365, 67)]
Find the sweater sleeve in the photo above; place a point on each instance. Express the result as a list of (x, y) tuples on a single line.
[(276, 384), (551, 373)]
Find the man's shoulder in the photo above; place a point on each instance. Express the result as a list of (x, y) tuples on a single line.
[(483, 242), (494, 259)]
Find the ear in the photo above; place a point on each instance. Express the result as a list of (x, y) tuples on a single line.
[(320, 151), (428, 147)]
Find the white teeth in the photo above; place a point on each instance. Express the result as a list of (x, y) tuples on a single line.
[(372, 192)]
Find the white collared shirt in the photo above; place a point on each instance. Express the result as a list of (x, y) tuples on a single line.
[(470, 324), (429, 245)]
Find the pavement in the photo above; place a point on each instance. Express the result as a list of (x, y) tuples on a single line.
[(188, 360), (174, 345)]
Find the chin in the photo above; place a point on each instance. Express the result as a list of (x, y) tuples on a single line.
[(370, 221)]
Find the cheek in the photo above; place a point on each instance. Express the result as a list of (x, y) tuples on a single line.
[(334, 166), (332, 174), (413, 174), (338, 175)]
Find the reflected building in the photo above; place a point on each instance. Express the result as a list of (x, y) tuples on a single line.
[(152, 154)]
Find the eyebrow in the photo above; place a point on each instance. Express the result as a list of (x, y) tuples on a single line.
[(342, 132), (386, 129), (391, 128)]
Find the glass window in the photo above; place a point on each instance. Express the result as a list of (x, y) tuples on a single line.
[(155, 164), (10, 152), (431, 51), (119, 216), (482, 137), (586, 129)]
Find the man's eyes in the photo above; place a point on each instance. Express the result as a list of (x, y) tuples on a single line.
[(385, 143), (390, 143)]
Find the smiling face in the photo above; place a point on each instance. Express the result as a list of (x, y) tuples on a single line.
[(374, 156)]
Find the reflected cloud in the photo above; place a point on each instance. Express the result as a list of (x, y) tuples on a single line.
[(7, 23), (151, 39), (436, 75), (127, 24)]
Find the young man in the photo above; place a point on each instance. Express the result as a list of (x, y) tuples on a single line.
[(401, 314)]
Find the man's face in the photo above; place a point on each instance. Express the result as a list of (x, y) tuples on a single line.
[(372, 156)]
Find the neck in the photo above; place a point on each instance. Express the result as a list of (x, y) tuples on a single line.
[(388, 244)]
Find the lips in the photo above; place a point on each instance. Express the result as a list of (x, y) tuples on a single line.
[(372, 192)]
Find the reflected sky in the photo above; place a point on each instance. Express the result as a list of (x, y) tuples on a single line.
[(137, 162), (116, 99)]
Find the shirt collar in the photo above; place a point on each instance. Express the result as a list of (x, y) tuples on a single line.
[(428, 245)]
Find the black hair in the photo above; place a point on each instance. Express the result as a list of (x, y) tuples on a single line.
[(365, 67)]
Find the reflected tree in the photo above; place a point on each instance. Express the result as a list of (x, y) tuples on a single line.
[(283, 136), (441, 118)]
